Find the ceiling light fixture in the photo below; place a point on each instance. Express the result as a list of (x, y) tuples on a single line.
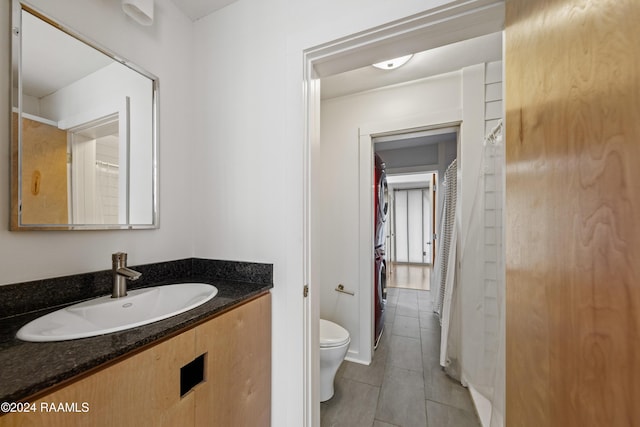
[(140, 10), (394, 63)]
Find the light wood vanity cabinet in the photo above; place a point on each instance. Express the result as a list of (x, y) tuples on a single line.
[(239, 356), (144, 389)]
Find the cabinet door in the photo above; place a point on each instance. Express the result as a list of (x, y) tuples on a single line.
[(142, 390), (237, 388)]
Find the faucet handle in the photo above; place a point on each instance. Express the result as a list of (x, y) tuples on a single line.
[(119, 259)]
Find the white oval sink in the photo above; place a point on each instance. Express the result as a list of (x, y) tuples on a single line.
[(105, 314)]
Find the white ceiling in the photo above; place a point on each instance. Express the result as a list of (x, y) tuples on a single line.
[(67, 59), (415, 138), (196, 9), (443, 59), (415, 180), (45, 44)]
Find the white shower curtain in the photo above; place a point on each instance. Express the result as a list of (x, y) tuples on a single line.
[(447, 221), (444, 276), (473, 306)]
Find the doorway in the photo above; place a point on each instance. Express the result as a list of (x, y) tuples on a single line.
[(96, 183), (411, 226), (323, 61), (411, 236), (414, 159)]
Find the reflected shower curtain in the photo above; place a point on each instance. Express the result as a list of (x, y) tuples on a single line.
[(106, 193)]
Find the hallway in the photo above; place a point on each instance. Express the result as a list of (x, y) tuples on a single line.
[(404, 385), (409, 276)]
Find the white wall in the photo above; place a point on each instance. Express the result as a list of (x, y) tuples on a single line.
[(340, 165), (472, 252), (484, 348), (165, 49), (250, 144), (493, 223)]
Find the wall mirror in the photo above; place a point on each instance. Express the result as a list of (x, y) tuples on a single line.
[(84, 132)]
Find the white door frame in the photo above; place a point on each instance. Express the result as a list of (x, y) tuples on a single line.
[(459, 20), (366, 150)]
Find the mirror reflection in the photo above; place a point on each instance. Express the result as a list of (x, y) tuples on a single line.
[(84, 125)]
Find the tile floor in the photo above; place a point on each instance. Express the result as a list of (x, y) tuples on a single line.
[(404, 385)]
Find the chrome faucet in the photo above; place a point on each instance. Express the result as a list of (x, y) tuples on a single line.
[(121, 274)]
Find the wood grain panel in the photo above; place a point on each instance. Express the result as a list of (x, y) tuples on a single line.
[(238, 347), (142, 390), (573, 212), (44, 173), (13, 221)]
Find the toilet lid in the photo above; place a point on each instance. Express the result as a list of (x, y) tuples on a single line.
[(332, 335)]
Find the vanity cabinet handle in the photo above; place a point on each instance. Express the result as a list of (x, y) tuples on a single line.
[(192, 374)]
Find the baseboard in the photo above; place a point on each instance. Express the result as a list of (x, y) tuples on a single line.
[(354, 357)]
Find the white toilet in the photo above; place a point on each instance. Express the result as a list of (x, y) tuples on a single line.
[(334, 343)]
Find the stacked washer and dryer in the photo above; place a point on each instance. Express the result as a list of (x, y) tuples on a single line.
[(381, 206)]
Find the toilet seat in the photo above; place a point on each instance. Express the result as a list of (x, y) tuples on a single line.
[(332, 335)]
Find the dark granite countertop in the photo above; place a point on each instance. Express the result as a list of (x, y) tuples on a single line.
[(28, 368)]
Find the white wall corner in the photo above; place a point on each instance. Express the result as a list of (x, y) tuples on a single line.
[(469, 165)]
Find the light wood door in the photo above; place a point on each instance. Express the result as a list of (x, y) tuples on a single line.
[(572, 213), (142, 390), (44, 173), (237, 391)]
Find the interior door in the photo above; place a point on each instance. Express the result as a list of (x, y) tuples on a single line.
[(44, 173), (572, 210)]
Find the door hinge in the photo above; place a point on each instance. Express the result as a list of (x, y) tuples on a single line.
[(305, 292)]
